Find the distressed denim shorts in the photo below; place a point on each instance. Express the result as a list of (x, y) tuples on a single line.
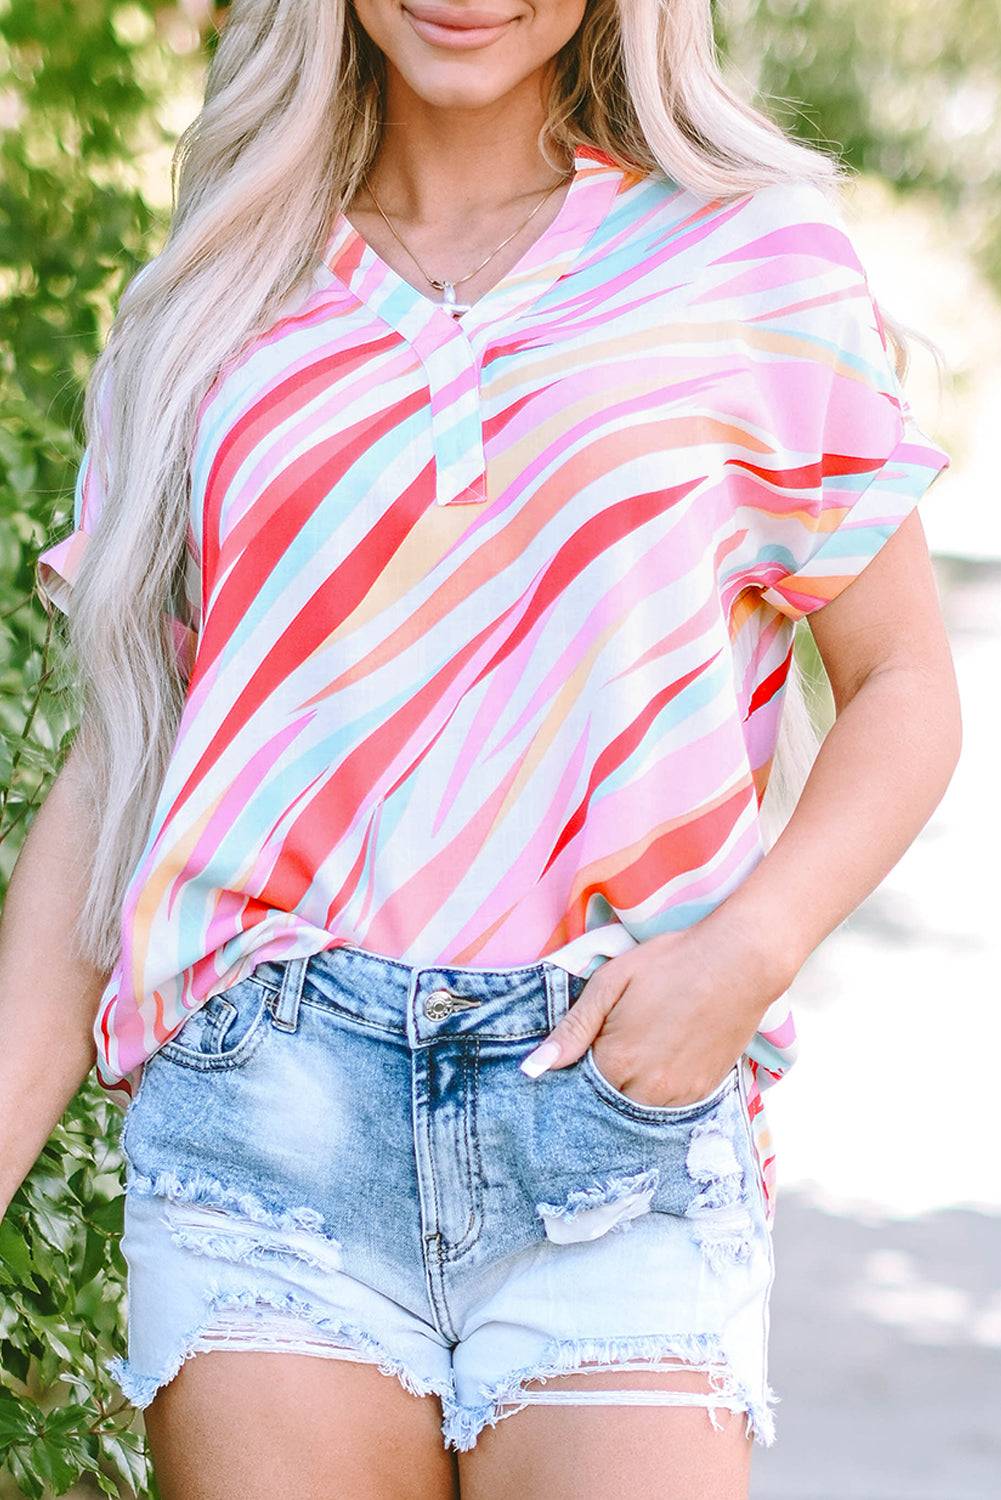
[(339, 1155)]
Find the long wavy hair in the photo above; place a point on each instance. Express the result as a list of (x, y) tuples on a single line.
[(291, 120)]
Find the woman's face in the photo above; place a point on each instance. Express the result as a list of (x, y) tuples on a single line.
[(464, 54)]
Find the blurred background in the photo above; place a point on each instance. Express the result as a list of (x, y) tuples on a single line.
[(886, 1321)]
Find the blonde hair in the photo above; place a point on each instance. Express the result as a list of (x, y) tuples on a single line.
[(290, 122)]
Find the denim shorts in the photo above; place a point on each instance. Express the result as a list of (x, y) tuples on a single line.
[(339, 1155)]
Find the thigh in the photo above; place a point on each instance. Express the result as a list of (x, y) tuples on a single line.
[(254, 1424), (588, 1452)]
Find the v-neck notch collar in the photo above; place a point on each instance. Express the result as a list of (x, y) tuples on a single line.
[(351, 259), (452, 349)]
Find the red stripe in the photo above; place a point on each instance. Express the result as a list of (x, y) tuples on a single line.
[(770, 684), (676, 852), (326, 819), (259, 422), (598, 535), (321, 613), (810, 475), (618, 750)]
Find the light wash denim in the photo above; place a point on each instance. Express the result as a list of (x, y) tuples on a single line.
[(339, 1155)]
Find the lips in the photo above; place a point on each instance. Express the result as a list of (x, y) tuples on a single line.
[(457, 18), (456, 27)]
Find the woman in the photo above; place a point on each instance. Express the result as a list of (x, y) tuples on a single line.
[(504, 393)]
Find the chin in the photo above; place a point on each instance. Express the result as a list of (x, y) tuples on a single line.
[(456, 85)]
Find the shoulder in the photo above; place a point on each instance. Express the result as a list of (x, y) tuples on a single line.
[(752, 243), (784, 259), (800, 222), (793, 219)]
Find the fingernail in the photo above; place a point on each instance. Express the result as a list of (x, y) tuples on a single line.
[(542, 1058)]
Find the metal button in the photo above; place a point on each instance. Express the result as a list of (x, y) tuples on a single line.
[(442, 1003), (439, 1004)]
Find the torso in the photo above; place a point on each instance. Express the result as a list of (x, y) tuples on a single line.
[(494, 616)]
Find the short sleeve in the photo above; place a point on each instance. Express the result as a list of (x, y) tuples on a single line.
[(58, 565), (843, 460)]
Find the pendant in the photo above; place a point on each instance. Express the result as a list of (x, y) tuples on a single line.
[(448, 301)]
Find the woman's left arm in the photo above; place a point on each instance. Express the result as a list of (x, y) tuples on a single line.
[(669, 1018)]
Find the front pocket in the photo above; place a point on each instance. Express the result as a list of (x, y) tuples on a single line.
[(226, 1030), (655, 1114)]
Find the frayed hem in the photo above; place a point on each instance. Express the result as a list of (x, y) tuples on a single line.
[(582, 1200), (140, 1389), (464, 1422), (202, 1189), (761, 1418), (137, 1389)]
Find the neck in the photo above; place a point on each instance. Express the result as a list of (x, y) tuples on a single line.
[(469, 162)]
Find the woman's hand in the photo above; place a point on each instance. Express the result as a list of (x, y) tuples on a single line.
[(669, 1019)]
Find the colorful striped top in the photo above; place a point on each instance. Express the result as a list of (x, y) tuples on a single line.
[(489, 618)]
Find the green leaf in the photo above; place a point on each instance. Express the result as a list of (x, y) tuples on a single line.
[(109, 1216), (94, 1255), (125, 1454), (14, 1251), (54, 1462), (24, 1473), (18, 1420)]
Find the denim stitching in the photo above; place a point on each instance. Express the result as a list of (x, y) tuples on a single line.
[(349, 1015), (476, 1135), (175, 1050), (435, 1255), (221, 1062), (332, 1007), (457, 1248), (653, 1114), (474, 1168)]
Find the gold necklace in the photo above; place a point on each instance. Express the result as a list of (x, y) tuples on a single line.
[(448, 287)]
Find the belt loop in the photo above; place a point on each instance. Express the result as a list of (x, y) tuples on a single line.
[(411, 1019), (557, 992), (286, 1011)]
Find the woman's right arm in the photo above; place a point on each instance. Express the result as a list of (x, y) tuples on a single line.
[(48, 994)]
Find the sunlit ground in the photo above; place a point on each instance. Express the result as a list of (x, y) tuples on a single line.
[(893, 1105), (886, 1321), (886, 1325)]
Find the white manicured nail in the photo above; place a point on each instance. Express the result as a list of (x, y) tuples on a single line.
[(542, 1058)]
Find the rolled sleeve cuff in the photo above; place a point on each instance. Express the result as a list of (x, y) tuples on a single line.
[(57, 568), (863, 528)]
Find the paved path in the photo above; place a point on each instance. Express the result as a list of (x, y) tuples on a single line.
[(886, 1321)]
